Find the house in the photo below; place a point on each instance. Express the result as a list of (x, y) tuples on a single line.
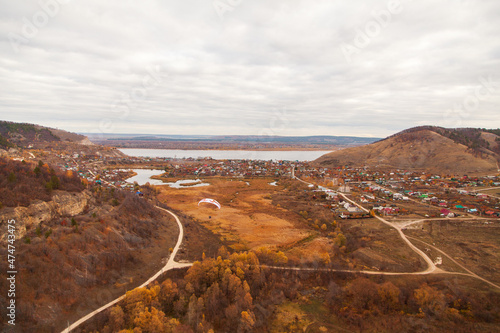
[(447, 213), (345, 189), (398, 196), (354, 210)]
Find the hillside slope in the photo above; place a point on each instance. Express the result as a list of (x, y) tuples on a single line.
[(77, 247), (23, 135), (430, 149)]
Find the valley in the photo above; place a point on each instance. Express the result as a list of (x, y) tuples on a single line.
[(342, 247)]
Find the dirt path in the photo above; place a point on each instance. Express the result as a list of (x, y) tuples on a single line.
[(171, 264), (472, 274), (402, 224), (455, 211), (431, 269)]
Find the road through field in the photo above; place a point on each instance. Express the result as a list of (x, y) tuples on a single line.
[(470, 273), (431, 267)]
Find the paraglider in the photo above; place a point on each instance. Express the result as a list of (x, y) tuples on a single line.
[(211, 201)]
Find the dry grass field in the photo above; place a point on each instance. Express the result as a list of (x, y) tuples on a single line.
[(247, 220), (475, 244), (256, 214)]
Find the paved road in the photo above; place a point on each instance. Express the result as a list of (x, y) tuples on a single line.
[(171, 264)]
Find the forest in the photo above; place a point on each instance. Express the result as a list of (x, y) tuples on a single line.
[(236, 293)]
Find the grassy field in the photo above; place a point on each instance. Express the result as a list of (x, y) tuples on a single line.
[(475, 244), (286, 217), (247, 220)]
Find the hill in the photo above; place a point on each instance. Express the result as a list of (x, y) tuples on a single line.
[(77, 246), (23, 135), (426, 148)]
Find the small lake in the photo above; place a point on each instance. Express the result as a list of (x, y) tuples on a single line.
[(266, 155), (183, 183), (144, 176)]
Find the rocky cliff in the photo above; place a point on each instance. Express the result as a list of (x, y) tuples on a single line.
[(63, 204)]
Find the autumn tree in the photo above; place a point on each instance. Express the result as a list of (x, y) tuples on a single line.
[(247, 322), (389, 296), (116, 318), (430, 300), (362, 293), (154, 321)]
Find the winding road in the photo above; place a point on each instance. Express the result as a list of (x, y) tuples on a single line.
[(431, 267), (469, 272), (171, 264)]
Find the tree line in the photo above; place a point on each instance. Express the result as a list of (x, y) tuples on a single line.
[(234, 293)]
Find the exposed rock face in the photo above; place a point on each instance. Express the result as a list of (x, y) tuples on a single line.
[(69, 204), (62, 204), (86, 142)]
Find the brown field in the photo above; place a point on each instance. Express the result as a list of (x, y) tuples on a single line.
[(247, 220), (379, 247), (474, 244), (261, 215)]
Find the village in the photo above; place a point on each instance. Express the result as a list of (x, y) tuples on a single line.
[(389, 193)]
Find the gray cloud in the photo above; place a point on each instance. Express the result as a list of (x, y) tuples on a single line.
[(89, 63)]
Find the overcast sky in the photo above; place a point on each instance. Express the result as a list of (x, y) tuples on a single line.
[(292, 67)]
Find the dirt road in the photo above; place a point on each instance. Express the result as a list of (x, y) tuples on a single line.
[(431, 267)]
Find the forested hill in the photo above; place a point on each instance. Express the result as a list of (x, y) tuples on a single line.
[(24, 134)]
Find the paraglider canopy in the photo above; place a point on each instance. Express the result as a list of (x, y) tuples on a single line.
[(211, 201)]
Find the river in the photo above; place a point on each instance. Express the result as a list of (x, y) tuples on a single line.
[(266, 155)]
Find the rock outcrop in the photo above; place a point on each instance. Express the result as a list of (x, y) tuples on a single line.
[(63, 204)]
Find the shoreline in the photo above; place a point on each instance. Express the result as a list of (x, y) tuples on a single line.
[(239, 149)]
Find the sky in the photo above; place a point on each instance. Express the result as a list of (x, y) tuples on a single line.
[(228, 67)]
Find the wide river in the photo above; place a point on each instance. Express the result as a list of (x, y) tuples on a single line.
[(279, 155)]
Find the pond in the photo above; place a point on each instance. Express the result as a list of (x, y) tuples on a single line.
[(144, 176)]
